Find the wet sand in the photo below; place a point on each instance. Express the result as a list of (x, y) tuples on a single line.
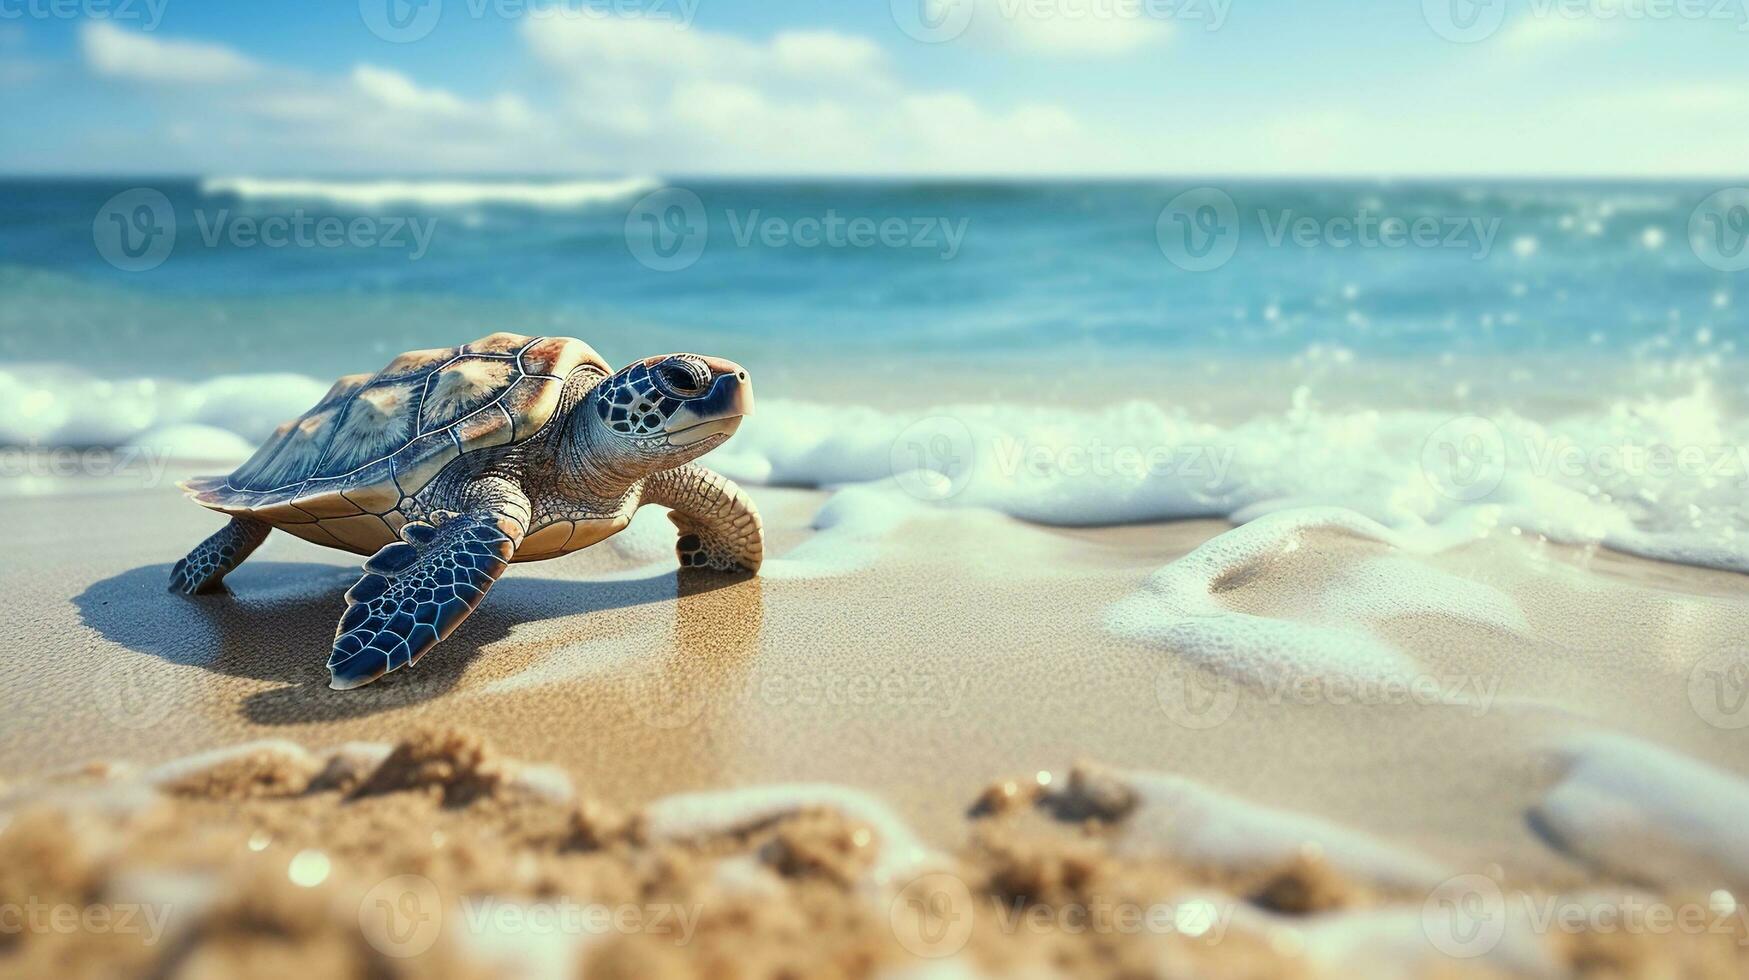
[(919, 661)]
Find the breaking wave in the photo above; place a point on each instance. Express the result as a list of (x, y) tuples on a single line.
[(552, 195), (1663, 477)]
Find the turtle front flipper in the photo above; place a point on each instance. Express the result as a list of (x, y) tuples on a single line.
[(719, 527), (208, 564), (416, 591)]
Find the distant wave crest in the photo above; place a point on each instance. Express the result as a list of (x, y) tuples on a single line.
[(435, 193)]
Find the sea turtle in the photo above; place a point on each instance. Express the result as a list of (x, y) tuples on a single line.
[(449, 464)]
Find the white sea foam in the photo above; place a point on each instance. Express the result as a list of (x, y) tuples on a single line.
[(1661, 477), (1184, 819), (1179, 607), (1638, 810), (51, 405), (435, 193)]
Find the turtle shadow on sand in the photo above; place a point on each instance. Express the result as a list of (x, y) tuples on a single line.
[(275, 622)]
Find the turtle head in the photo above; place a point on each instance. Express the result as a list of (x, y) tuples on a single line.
[(671, 409)]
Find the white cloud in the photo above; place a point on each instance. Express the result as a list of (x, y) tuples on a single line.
[(116, 53), (1077, 27), (826, 53), (816, 101), (236, 113), (1539, 34), (1059, 28), (393, 90)]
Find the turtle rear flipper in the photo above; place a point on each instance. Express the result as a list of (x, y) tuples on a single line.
[(416, 591), (208, 564)]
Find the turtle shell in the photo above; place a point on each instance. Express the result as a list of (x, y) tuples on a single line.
[(375, 439)]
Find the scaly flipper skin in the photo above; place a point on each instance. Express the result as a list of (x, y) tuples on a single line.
[(415, 592), (719, 527), (207, 565)]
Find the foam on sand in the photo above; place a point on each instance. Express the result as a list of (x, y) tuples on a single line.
[(1632, 808), (435, 193), (1179, 608), (1165, 815), (1659, 477)]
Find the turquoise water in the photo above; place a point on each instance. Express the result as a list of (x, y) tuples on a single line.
[(1046, 269)]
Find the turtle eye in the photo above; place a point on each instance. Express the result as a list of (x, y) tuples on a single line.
[(681, 377)]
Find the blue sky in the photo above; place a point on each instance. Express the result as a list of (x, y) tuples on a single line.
[(1109, 87)]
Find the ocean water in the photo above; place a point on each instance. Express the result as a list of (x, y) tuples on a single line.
[(1562, 359)]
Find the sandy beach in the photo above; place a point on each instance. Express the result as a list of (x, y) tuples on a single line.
[(927, 490), (1229, 701)]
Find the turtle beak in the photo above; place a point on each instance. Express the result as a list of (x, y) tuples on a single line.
[(718, 411)]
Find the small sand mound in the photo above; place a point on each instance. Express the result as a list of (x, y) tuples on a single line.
[(456, 765)]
